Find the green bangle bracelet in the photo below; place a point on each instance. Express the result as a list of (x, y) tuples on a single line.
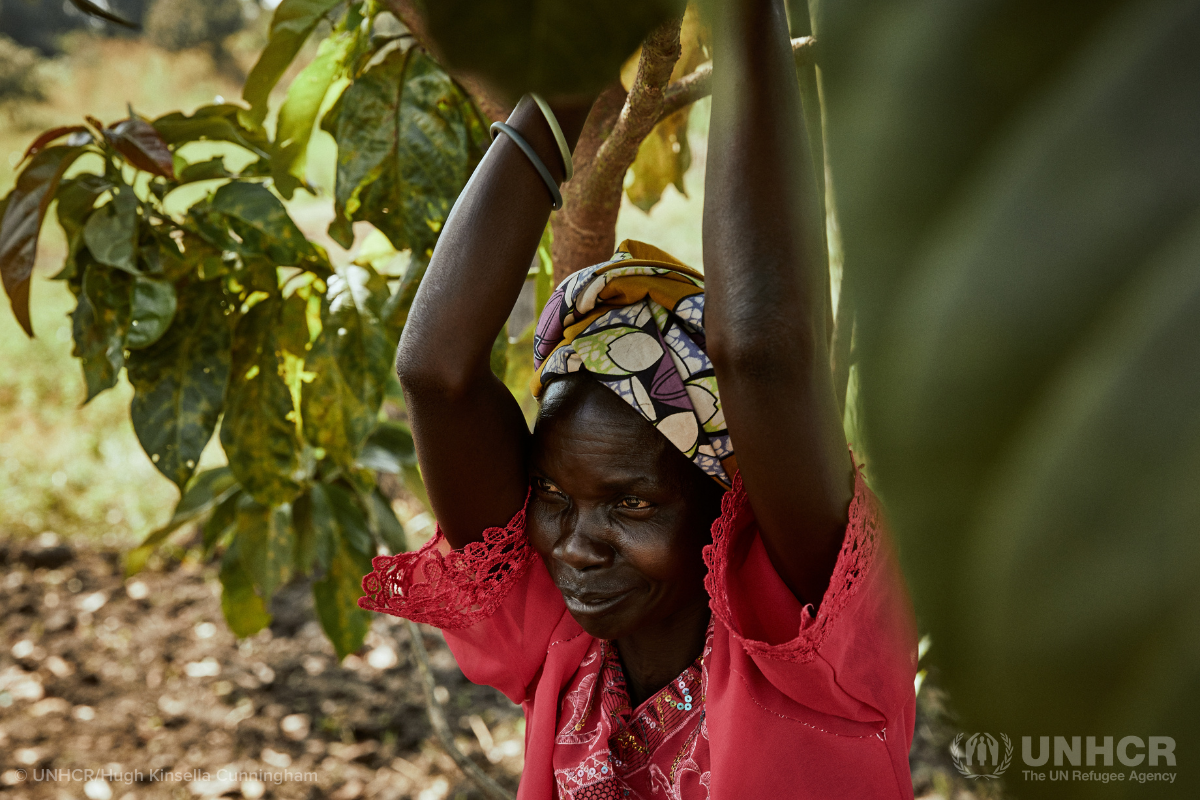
[(556, 200)]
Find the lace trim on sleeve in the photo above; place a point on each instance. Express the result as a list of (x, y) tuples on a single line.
[(454, 590), (849, 573)]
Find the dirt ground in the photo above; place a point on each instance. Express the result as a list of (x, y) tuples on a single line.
[(115, 689)]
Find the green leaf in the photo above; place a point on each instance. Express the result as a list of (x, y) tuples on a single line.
[(263, 224), (142, 146), (111, 231), (351, 360), (23, 212), (258, 432), (555, 47), (498, 359), (243, 607), (350, 551), (389, 448), (212, 169), (179, 382), (153, 308), (383, 523), (299, 112), (291, 25), (1021, 231), (265, 544), (203, 493), (218, 123), (76, 199), (222, 521), (662, 160), (408, 139), (99, 324)]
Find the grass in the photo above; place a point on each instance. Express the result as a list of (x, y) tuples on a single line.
[(78, 470)]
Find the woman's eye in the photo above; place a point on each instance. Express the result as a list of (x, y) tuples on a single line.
[(547, 486), (635, 503)]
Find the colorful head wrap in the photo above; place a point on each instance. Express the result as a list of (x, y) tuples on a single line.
[(636, 324)]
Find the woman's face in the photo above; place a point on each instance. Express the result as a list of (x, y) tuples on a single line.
[(618, 515)]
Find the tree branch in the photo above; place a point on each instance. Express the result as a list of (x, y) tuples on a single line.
[(695, 85), (643, 109)]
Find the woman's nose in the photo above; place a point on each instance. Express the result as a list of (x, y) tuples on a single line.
[(582, 545)]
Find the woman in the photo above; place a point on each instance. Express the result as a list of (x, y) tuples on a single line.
[(666, 638)]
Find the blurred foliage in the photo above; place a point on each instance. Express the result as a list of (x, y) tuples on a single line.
[(1018, 187), (553, 47), (18, 71), (180, 24)]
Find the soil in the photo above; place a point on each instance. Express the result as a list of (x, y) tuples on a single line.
[(115, 689)]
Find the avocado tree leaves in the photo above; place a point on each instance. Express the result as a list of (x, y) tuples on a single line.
[(23, 212), (555, 47), (218, 123), (141, 145), (201, 494), (52, 135), (179, 381), (111, 231), (263, 224), (99, 324), (350, 360), (76, 198), (152, 307), (258, 432), (298, 114), (345, 545), (408, 138), (265, 541), (244, 608), (1021, 228), (291, 25)]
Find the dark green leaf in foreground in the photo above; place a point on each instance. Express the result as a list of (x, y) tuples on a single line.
[(343, 528), (202, 494), (556, 47), (351, 360), (265, 540), (291, 25), (76, 198), (263, 224), (152, 309), (408, 139), (179, 382), (1019, 193), (99, 324), (242, 606), (258, 431), (222, 522), (23, 212), (111, 231)]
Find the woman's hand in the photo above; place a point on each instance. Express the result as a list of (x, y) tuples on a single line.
[(766, 307)]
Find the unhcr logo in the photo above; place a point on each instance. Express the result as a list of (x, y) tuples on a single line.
[(980, 756)]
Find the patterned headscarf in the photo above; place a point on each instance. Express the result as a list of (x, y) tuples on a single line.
[(636, 324)]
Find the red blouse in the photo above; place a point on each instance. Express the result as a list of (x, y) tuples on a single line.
[(782, 702)]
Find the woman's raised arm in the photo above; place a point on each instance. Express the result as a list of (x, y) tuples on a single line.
[(471, 438), (765, 313)]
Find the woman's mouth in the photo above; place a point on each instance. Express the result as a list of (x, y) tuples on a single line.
[(588, 603)]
